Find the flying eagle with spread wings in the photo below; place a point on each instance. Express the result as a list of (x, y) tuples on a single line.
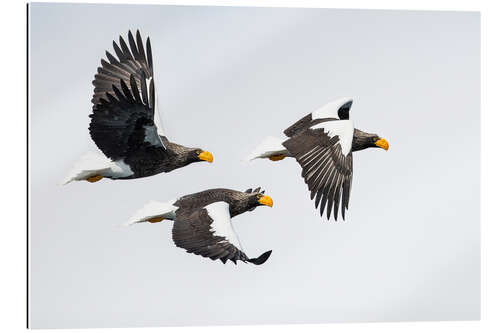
[(125, 123), (202, 221), (322, 143)]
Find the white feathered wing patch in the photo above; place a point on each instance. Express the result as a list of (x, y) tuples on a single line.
[(221, 225), (343, 128), (331, 109)]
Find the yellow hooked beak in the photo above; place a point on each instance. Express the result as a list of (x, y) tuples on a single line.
[(265, 200), (206, 156), (382, 143)]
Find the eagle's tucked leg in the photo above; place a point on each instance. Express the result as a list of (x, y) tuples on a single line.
[(94, 179), (275, 158), (155, 219)]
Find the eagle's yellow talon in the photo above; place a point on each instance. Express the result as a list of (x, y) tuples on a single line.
[(155, 219), (277, 157), (94, 179)]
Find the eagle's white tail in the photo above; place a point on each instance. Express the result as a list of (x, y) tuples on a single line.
[(268, 148), (154, 211), (89, 165)]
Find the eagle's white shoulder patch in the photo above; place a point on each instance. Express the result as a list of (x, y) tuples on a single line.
[(221, 225), (331, 109), (157, 119), (343, 128)]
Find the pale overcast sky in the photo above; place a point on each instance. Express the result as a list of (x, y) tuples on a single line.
[(226, 78)]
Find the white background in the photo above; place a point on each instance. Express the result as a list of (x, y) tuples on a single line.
[(491, 289), (227, 77)]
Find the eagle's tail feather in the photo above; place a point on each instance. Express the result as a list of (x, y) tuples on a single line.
[(261, 259), (154, 211), (90, 166), (271, 148)]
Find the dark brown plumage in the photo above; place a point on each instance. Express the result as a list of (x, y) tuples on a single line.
[(202, 222), (322, 143), (123, 114), (326, 171)]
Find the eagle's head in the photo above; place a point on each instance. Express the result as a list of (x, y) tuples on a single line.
[(362, 140), (199, 155), (259, 199), (247, 201)]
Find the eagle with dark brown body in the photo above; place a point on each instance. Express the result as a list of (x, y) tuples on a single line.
[(202, 221), (322, 143), (125, 123), (123, 120)]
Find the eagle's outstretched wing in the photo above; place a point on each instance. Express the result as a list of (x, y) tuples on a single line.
[(322, 145), (123, 113), (208, 232)]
